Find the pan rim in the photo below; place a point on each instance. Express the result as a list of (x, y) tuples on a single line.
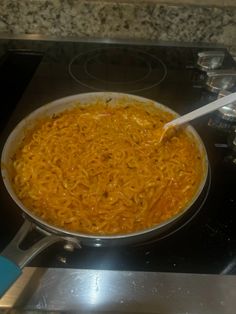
[(69, 101)]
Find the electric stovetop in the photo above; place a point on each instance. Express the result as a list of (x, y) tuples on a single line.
[(35, 73)]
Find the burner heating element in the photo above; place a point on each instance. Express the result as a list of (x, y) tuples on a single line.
[(117, 69)]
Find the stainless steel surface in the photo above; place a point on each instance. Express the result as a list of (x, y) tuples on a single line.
[(121, 292), (22, 257), (133, 41), (210, 60), (16, 136), (221, 80)]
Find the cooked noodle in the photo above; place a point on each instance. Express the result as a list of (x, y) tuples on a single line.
[(97, 169)]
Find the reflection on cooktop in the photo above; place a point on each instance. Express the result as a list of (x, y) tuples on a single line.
[(117, 69)]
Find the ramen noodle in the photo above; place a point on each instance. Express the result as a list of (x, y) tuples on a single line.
[(98, 169)]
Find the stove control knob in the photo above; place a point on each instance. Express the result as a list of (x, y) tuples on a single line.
[(210, 60), (218, 80), (224, 118), (227, 113)]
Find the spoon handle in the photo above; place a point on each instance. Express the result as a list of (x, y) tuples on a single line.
[(203, 110)]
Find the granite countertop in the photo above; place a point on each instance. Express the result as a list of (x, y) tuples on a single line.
[(108, 19)]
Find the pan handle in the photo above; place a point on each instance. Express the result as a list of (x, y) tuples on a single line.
[(13, 258)]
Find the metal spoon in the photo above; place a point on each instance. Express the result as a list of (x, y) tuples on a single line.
[(212, 106)]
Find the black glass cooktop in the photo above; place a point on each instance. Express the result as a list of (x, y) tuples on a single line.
[(34, 73)]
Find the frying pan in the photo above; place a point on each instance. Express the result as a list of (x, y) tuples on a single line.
[(13, 259)]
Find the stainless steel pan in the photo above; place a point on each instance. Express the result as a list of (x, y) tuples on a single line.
[(10, 270)]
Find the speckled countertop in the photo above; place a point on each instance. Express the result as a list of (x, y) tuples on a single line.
[(108, 19)]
